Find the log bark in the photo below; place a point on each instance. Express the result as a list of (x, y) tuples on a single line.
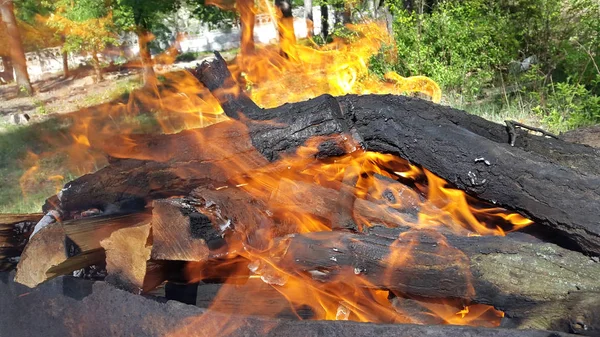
[(127, 255), (65, 305), (555, 185), (14, 234), (537, 285), (61, 248)]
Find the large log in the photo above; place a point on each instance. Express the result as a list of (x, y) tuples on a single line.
[(162, 166), (555, 183), (538, 285), (61, 248), (64, 306), (14, 233)]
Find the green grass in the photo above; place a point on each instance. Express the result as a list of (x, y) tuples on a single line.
[(15, 143), (121, 88), (499, 108)]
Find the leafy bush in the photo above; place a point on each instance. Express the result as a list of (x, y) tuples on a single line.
[(187, 56), (461, 45), (570, 105), (520, 55)]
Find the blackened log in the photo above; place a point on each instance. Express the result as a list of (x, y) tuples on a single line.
[(554, 183), (61, 248), (537, 285), (163, 166), (14, 233), (65, 305), (321, 202)]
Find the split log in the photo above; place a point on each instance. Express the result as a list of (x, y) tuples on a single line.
[(61, 248), (553, 182), (14, 233), (127, 256), (180, 232), (538, 285), (65, 305)]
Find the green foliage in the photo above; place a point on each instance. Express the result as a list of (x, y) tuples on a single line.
[(148, 14), (459, 44), (187, 56), (519, 55), (214, 16), (570, 105)]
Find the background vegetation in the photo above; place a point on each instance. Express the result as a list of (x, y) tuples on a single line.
[(504, 58)]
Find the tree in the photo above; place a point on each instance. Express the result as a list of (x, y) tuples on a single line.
[(141, 17), (308, 15), (285, 26), (219, 12), (87, 27), (17, 53), (35, 33)]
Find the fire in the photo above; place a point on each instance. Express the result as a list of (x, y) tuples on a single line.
[(348, 295), (397, 192)]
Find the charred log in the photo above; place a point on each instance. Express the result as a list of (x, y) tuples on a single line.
[(537, 285), (553, 182)]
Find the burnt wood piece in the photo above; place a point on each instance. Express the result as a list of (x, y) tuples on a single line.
[(537, 285), (61, 248), (65, 305), (127, 256), (180, 232), (322, 202), (557, 186), (162, 166), (14, 233)]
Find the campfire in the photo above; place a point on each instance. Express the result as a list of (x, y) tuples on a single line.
[(349, 203)]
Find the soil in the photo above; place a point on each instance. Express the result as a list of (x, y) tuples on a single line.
[(56, 94)]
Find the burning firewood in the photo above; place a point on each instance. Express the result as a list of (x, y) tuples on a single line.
[(61, 248), (539, 285), (14, 232), (296, 197), (95, 308), (555, 183)]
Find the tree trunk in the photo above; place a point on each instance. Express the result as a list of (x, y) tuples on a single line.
[(246, 9), (308, 15), (65, 59), (148, 74), (285, 26), (97, 67), (347, 14), (7, 75), (16, 46), (324, 21)]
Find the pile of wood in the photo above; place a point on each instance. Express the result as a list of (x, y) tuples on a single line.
[(186, 206)]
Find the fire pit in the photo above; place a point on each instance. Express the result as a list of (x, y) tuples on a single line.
[(287, 221)]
